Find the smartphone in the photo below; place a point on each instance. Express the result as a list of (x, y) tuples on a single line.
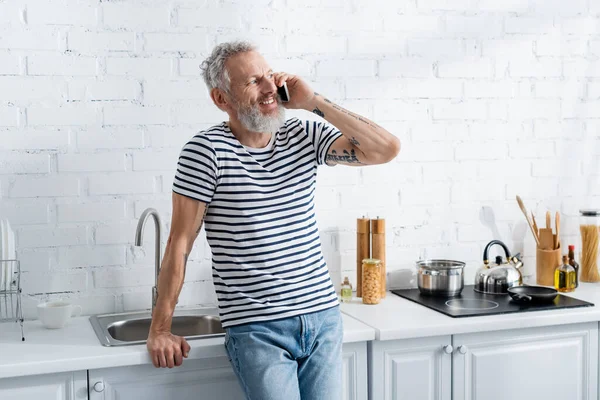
[(283, 93)]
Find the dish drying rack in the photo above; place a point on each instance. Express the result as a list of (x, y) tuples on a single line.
[(10, 299)]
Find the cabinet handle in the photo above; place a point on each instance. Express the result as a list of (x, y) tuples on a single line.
[(99, 387), (462, 349), (448, 349)]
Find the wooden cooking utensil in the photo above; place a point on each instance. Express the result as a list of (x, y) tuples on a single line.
[(535, 227), (557, 236), (524, 210), (548, 220), (546, 239)]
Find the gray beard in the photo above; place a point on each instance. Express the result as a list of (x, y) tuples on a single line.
[(253, 120)]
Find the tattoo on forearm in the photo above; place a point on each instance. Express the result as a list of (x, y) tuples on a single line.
[(318, 112), (354, 141), (324, 98), (343, 110), (348, 157), (356, 117)]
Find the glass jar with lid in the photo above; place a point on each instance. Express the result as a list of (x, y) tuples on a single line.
[(589, 228), (371, 281)]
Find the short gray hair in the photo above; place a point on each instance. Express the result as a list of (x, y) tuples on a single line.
[(213, 68)]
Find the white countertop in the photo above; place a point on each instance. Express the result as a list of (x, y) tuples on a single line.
[(76, 347), (398, 318)]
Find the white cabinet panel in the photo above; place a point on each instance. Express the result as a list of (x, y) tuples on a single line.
[(60, 386), (414, 369), (210, 378), (355, 371), (550, 363)]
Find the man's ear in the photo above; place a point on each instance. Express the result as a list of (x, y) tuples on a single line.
[(220, 99)]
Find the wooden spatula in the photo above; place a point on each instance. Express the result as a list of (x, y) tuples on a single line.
[(546, 239), (546, 234), (536, 230), (524, 210)]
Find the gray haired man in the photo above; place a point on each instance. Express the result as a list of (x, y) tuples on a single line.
[(252, 181)]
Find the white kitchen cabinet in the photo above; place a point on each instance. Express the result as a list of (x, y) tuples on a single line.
[(355, 371), (59, 386), (411, 369), (200, 379), (207, 378), (550, 363)]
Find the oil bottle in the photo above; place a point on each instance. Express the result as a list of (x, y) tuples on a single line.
[(574, 263), (565, 277), (346, 292)]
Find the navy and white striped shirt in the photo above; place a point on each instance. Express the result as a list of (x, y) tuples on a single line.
[(261, 227)]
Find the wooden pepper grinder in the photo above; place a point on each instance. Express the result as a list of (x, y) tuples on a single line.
[(378, 251), (363, 249)]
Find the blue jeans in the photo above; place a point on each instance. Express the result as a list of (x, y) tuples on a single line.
[(289, 359)]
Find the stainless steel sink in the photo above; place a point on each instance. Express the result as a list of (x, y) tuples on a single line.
[(132, 328)]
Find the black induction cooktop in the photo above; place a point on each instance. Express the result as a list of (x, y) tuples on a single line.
[(471, 303)]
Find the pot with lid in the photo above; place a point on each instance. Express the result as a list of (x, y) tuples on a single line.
[(440, 277), (499, 276)]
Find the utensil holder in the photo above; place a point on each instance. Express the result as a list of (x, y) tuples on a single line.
[(546, 262)]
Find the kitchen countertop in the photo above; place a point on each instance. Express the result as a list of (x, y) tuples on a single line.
[(76, 347), (398, 318)]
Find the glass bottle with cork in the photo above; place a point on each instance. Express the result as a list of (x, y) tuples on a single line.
[(574, 263), (346, 291), (565, 276)]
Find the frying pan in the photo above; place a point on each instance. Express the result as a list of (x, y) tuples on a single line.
[(532, 294)]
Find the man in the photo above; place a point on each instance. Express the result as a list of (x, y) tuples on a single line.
[(252, 180)]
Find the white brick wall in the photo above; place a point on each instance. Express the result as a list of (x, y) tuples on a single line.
[(489, 98)]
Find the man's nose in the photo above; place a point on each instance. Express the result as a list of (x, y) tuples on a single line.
[(268, 86)]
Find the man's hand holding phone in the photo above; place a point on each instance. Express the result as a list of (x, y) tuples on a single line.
[(298, 93)]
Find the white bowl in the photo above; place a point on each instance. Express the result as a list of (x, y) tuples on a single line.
[(56, 314)]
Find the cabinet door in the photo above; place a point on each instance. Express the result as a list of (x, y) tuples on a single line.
[(355, 371), (412, 369), (60, 386), (200, 379), (550, 363)]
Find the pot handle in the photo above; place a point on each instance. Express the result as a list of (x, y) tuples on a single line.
[(522, 297), (487, 248), (431, 272)]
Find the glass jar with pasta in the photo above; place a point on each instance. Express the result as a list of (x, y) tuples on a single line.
[(371, 281), (590, 242)]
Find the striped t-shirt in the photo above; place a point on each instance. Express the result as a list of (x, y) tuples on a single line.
[(266, 253)]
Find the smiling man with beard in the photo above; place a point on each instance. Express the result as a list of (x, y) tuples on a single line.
[(252, 181)]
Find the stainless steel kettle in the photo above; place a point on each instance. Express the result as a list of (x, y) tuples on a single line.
[(497, 277)]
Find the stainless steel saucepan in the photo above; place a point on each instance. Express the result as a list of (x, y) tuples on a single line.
[(440, 277)]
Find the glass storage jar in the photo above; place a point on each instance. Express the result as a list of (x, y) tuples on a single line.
[(371, 281), (589, 228)]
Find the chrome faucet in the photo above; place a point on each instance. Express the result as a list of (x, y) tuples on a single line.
[(138, 242)]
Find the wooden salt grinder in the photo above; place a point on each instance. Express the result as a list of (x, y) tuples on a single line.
[(363, 249), (378, 251)]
